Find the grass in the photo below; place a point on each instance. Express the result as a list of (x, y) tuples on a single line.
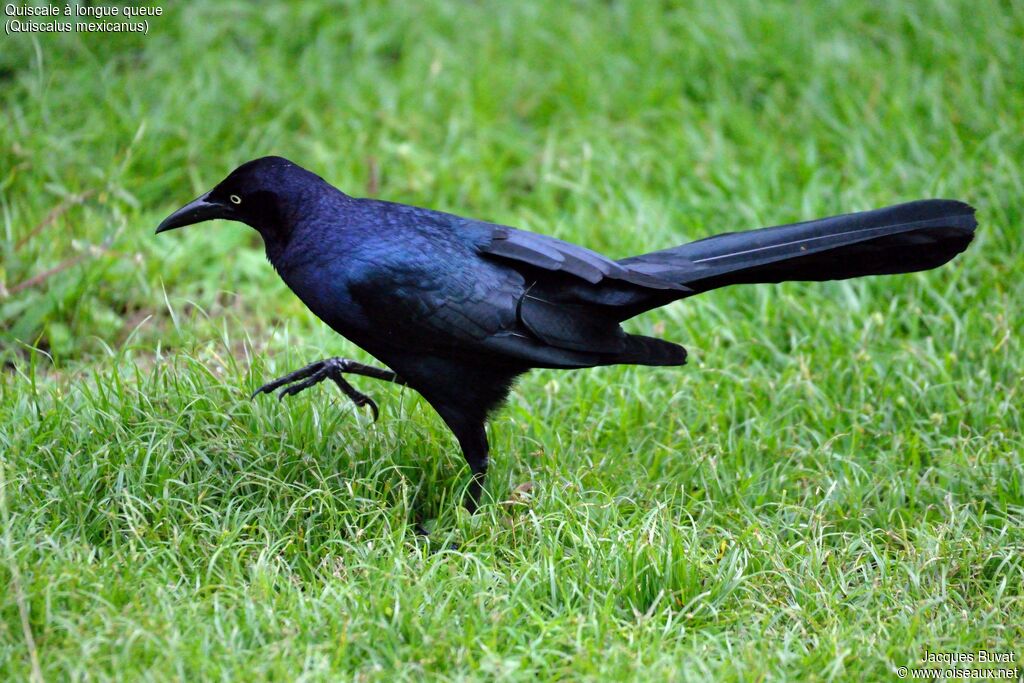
[(833, 485)]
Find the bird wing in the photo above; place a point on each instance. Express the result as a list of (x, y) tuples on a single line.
[(469, 312), (454, 287), (552, 254), (443, 298)]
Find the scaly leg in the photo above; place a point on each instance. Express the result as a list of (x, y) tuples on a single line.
[(473, 441), (332, 369)]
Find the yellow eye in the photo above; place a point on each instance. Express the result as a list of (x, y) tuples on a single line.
[(235, 199)]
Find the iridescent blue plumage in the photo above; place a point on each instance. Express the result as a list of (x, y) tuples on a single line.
[(458, 308)]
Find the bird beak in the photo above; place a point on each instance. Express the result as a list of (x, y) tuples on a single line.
[(196, 211)]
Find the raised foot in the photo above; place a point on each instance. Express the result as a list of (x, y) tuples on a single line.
[(332, 369)]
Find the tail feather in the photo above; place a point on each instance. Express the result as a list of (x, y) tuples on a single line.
[(898, 239), (641, 350)]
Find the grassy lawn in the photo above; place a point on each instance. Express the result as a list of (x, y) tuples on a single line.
[(832, 486)]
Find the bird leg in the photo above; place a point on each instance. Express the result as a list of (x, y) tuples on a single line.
[(476, 486), (332, 369), (475, 449), (471, 434)]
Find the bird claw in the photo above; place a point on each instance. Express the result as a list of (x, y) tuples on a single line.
[(265, 389), (362, 401), (421, 530), (367, 401), (311, 375), (296, 387)]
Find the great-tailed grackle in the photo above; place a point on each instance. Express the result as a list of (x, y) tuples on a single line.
[(458, 308)]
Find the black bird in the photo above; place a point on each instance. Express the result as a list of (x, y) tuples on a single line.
[(458, 308)]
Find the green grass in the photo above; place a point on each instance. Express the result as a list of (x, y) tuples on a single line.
[(833, 485)]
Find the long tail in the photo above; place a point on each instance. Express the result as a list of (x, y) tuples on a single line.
[(897, 239)]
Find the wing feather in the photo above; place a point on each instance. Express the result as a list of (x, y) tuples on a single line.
[(549, 253)]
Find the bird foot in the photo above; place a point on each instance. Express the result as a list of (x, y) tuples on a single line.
[(313, 374), (421, 530)]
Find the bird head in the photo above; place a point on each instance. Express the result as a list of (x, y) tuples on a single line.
[(263, 193)]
